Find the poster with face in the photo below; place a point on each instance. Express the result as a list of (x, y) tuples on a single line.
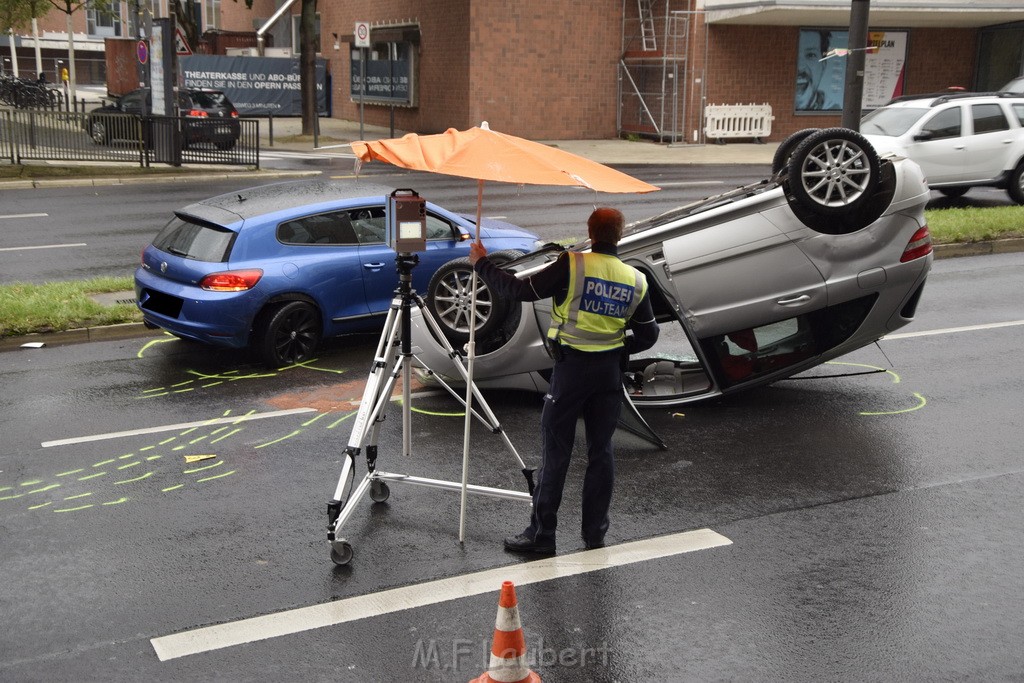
[(821, 69)]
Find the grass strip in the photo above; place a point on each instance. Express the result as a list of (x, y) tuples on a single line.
[(55, 306)]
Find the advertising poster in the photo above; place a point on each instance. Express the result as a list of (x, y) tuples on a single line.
[(821, 69)]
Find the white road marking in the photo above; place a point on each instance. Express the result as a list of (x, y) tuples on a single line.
[(23, 215), (44, 246), (302, 619), (174, 427), (952, 330)]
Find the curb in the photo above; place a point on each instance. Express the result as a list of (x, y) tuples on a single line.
[(136, 180), (80, 336), (136, 330)]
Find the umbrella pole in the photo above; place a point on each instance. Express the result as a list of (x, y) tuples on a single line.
[(471, 354)]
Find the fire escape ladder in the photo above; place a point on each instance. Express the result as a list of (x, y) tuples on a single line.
[(650, 40)]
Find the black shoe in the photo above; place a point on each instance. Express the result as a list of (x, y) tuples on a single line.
[(524, 544), (593, 545)]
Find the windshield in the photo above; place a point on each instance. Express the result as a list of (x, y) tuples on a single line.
[(200, 242), (892, 121)]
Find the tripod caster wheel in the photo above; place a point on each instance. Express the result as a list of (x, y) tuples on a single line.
[(379, 491), (341, 552)]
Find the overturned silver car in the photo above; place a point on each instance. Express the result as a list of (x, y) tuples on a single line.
[(751, 286)]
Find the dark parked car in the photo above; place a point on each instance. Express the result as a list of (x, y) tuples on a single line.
[(208, 116), (279, 267)]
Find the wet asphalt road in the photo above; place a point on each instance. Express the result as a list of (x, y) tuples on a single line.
[(874, 520)]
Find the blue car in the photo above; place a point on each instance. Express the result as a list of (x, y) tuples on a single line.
[(280, 267)]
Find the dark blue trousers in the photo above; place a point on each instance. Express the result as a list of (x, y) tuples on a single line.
[(588, 385)]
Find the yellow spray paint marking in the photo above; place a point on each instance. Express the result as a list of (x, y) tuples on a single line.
[(69, 472), (41, 505), (309, 422), (216, 476), (231, 433), (308, 365), (81, 507), (436, 413), (197, 458), (80, 495), (46, 488), (32, 482), (921, 403), (104, 462), (116, 502), (126, 456), (131, 464), (678, 414), (91, 476), (16, 495), (128, 481), (271, 443), (172, 488), (152, 343), (200, 469), (341, 419)]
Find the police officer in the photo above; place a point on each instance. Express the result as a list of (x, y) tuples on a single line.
[(596, 299)]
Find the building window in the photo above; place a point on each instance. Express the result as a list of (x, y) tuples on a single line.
[(104, 23), (212, 14)]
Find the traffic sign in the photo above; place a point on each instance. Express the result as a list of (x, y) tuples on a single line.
[(362, 34), (142, 50), (180, 44)]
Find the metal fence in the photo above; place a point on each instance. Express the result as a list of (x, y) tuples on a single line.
[(40, 135)]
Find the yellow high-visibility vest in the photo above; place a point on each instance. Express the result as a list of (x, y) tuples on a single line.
[(603, 294)]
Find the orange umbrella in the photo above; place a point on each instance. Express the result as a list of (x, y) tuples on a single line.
[(485, 154)]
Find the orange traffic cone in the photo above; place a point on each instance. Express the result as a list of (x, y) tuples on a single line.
[(508, 651)]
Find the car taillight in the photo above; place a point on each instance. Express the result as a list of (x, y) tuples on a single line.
[(231, 280), (197, 113), (234, 114), (919, 245)]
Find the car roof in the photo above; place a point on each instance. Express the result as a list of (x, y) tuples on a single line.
[(255, 201), (937, 98)]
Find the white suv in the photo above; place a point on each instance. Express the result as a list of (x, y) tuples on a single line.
[(960, 140)]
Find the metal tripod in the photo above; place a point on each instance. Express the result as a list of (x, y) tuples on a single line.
[(388, 365)]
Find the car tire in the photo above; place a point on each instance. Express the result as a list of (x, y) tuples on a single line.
[(287, 333), (780, 162), (448, 299), (954, 192), (833, 172), (225, 145), (1016, 187), (98, 132)]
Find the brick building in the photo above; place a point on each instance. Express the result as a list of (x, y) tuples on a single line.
[(602, 68)]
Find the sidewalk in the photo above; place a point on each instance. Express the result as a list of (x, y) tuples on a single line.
[(287, 131)]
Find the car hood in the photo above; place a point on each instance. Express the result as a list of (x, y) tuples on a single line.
[(492, 228), (886, 144)]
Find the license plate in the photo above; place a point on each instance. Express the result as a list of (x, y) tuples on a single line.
[(223, 130)]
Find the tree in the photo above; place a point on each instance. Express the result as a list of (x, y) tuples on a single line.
[(16, 13), (307, 65), (69, 7)]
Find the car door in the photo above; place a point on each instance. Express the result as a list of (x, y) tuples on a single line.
[(938, 145), (748, 294), (989, 143), (444, 242), (320, 256)]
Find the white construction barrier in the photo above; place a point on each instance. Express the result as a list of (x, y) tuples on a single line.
[(737, 121)]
